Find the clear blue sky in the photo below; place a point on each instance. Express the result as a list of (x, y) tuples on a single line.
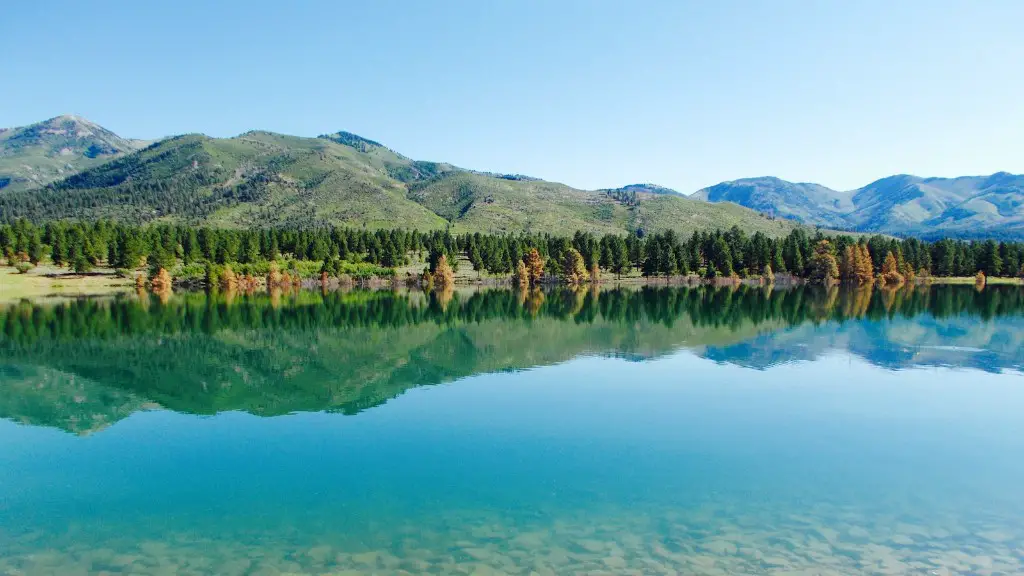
[(590, 93)]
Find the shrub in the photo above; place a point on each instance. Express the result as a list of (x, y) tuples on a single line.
[(23, 267)]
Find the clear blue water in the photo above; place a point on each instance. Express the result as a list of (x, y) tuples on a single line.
[(697, 457)]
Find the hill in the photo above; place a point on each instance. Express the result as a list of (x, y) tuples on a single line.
[(35, 155), (969, 206), (263, 179), (810, 203)]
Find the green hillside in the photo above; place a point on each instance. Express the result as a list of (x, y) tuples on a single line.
[(261, 179), (35, 155)]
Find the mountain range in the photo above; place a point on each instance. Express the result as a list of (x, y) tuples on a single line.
[(968, 207), (69, 167), (260, 179)]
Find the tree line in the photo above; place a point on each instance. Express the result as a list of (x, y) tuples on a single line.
[(536, 258)]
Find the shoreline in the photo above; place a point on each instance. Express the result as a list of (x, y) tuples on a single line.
[(49, 282)]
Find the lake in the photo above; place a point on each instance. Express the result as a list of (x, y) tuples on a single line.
[(645, 431)]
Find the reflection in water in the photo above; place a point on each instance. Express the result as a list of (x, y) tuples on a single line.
[(84, 364), (653, 431)]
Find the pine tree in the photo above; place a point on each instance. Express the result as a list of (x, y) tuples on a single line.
[(35, 248), (991, 262), (720, 258), (619, 256)]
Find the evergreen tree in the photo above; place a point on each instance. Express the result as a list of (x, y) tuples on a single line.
[(991, 262), (720, 257)]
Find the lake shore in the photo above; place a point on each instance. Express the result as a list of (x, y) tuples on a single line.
[(47, 281)]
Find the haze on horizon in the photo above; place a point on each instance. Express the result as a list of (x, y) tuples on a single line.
[(592, 94)]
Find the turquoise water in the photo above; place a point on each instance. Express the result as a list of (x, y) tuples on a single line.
[(299, 438)]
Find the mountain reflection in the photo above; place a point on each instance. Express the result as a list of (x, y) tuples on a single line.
[(83, 364)]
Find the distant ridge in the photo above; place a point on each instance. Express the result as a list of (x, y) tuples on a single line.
[(968, 206)]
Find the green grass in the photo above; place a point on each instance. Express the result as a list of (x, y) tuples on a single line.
[(46, 281), (969, 280)]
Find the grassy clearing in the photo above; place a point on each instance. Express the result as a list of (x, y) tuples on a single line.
[(970, 280), (46, 281)]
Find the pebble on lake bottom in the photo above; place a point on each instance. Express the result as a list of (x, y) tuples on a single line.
[(732, 539)]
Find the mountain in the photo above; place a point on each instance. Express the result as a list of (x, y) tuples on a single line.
[(969, 206), (810, 203), (966, 206), (35, 155), (261, 179)]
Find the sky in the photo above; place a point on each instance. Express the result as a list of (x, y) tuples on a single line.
[(591, 93)]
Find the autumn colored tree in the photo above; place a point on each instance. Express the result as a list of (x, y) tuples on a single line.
[(848, 264), (534, 266), (855, 266), (865, 266), (161, 281), (522, 275), (273, 276), (824, 269), (228, 280), (890, 271), (908, 272), (980, 279), (443, 275), (574, 271)]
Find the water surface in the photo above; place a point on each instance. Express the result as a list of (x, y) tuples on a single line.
[(659, 431)]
